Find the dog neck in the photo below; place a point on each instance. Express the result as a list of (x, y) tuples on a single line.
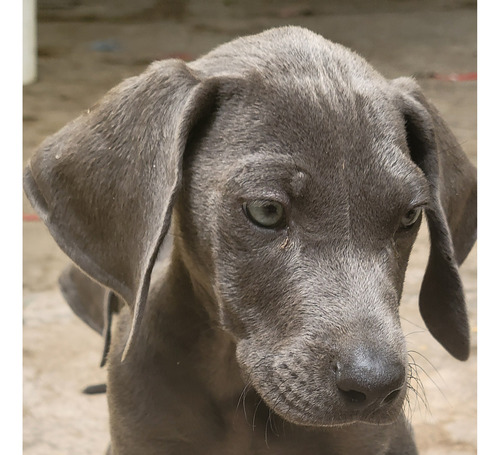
[(185, 315)]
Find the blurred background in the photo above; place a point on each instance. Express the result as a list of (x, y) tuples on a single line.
[(76, 50)]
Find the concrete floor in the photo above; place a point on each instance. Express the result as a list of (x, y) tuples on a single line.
[(61, 354)]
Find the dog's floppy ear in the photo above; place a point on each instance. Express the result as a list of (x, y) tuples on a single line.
[(451, 217), (91, 302), (105, 184), (85, 297)]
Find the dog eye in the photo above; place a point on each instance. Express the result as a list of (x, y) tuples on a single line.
[(411, 217), (266, 214)]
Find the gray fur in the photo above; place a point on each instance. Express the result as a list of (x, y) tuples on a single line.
[(244, 339)]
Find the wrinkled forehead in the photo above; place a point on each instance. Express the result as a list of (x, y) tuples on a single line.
[(322, 128)]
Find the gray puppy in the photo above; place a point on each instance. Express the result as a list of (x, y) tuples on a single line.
[(292, 178)]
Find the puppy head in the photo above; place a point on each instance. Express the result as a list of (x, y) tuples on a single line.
[(300, 177), (300, 224), (303, 194)]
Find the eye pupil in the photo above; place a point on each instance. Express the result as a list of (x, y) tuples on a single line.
[(267, 214), (270, 210)]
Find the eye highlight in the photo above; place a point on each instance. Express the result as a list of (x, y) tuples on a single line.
[(265, 214), (411, 217)]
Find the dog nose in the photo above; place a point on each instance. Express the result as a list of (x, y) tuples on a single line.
[(365, 380)]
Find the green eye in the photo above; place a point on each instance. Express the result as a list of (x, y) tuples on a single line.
[(411, 217), (266, 214)]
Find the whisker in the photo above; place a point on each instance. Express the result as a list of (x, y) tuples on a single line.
[(415, 384), (242, 400), (433, 381), (412, 323), (255, 414), (428, 361), (412, 333), (265, 430), (420, 393)]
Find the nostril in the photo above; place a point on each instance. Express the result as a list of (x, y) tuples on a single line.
[(353, 396), (391, 397)]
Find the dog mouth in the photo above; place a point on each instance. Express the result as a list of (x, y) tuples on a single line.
[(326, 409), (305, 394)]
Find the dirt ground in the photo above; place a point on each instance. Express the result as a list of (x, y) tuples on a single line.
[(89, 47)]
